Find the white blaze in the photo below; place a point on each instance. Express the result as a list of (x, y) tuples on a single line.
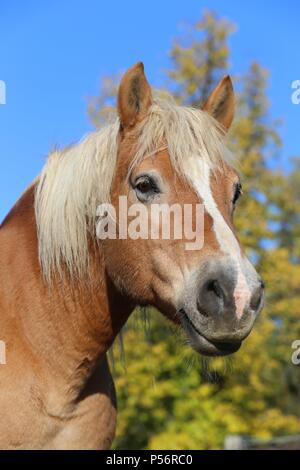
[(200, 175)]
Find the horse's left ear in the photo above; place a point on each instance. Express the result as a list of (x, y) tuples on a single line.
[(134, 97), (220, 103)]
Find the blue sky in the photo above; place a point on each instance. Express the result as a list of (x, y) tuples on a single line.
[(52, 55)]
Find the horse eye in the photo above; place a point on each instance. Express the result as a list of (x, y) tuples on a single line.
[(145, 188), (237, 193)]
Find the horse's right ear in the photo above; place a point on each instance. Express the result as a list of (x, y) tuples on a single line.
[(220, 103), (134, 97)]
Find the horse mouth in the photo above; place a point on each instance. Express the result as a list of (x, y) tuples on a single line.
[(204, 345)]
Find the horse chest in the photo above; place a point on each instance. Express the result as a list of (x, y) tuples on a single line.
[(44, 418), (91, 426)]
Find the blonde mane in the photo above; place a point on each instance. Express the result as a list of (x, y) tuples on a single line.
[(77, 179)]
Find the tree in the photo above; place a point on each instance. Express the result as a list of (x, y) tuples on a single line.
[(199, 63)]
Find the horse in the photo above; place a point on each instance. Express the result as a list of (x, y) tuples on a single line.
[(65, 294)]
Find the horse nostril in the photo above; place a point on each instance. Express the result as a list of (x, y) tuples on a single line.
[(257, 296), (214, 286)]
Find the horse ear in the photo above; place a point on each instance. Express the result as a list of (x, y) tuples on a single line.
[(134, 97), (220, 103)]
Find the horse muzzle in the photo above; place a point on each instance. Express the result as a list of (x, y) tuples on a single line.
[(220, 306)]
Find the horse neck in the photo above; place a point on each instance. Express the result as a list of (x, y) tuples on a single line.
[(68, 325)]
